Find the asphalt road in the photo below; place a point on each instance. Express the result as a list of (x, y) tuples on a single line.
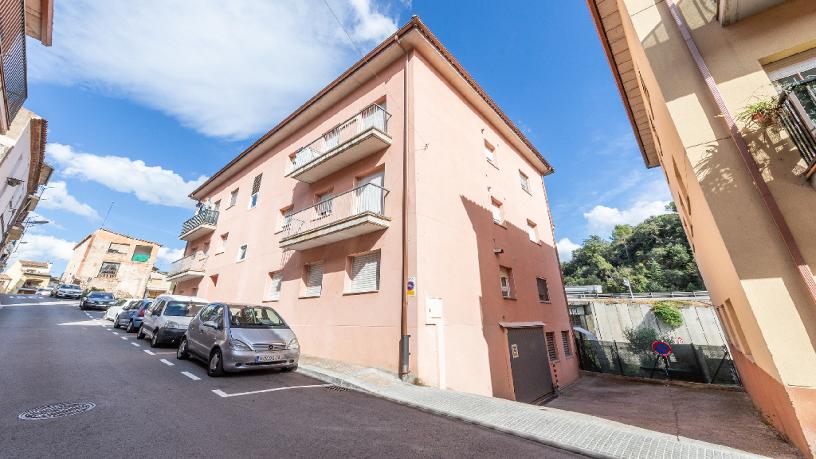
[(150, 404)]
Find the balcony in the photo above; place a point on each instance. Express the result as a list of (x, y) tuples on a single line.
[(353, 213), (350, 141), (798, 115), (13, 57), (200, 225), (731, 11), (190, 267)]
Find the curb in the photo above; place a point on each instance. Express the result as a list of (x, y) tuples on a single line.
[(312, 372)]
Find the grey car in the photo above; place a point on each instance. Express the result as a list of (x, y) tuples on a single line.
[(238, 337), (97, 300), (131, 318)]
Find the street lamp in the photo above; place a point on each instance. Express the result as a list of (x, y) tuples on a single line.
[(629, 284)]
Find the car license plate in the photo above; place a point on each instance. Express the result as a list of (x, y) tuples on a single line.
[(268, 357)]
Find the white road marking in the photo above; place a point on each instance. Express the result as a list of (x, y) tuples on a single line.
[(149, 352), (123, 337), (221, 393), (190, 375), (115, 333), (166, 362), (136, 344)]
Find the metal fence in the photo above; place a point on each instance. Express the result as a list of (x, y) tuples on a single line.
[(702, 294), (204, 217), (13, 48), (368, 198), (688, 362), (798, 115), (371, 117)]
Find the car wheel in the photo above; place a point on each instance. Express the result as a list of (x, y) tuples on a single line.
[(140, 334), (288, 369), (130, 327), (154, 340), (115, 323), (215, 367), (181, 352)]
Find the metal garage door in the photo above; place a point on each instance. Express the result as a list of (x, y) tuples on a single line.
[(529, 364)]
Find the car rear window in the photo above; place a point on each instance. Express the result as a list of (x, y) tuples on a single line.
[(182, 309)]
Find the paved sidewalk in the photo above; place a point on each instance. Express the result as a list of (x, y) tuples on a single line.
[(574, 432)]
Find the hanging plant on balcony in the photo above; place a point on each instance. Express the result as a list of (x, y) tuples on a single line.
[(761, 114)]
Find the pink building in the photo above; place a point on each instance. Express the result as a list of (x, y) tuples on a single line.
[(398, 202)]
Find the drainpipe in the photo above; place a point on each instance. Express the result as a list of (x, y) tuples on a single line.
[(404, 343), (748, 160)]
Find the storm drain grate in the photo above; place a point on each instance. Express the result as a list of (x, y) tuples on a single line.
[(336, 388), (56, 410)]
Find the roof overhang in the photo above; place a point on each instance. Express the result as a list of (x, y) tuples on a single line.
[(39, 20), (413, 35), (731, 11), (609, 24)]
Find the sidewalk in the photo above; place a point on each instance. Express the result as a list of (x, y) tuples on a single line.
[(579, 433)]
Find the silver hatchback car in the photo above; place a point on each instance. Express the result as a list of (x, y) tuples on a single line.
[(237, 337)]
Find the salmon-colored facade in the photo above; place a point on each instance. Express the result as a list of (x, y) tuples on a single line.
[(398, 201)]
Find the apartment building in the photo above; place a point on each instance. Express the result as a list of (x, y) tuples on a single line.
[(26, 276), (690, 74), (398, 220), (113, 262)]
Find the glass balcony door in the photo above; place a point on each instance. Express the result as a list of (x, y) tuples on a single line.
[(370, 193)]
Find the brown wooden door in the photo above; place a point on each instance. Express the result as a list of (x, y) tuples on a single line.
[(529, 364)]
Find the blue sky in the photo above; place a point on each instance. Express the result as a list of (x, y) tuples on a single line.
[(138, 118)]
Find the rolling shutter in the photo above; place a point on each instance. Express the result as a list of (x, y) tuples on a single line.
[(365, 272), (275, 287), (256, 185), (314, 279)]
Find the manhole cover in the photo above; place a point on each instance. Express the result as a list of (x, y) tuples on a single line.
[(56, 410)]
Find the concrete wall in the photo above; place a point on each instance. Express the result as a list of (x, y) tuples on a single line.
[(15, 162)]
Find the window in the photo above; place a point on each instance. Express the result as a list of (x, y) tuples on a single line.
[(217, 205), (365, 273), (118, 248), (524, 181), (532, 232), (789, 73), (286, 218), (233, 198), (496, 210), (506, 281), (242, 253), (108, 269), (314, 279), (142, 253), (543, 290), (222, 243), (552, 350), (275, 285), (565, 342), (324, 204), (256, 188), (489, 152)]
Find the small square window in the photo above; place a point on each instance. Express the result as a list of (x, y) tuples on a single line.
[(242, 253), (524, 181), (506, 282), (497, 211)]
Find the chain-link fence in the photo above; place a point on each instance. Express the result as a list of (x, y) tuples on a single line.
[(688, 362)]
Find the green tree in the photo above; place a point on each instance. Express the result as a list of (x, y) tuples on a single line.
[(654, 255)]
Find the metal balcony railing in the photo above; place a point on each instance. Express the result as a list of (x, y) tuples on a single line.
[(193, 262), (204, 217), (13, 55), (798, 115), (368, 198), (372, 117)]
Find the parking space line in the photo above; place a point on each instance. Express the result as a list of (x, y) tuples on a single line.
[(149, 352), (115, 333), (190, 375), (123, 337), (165, 353), (223, 394), (166, 362), (136, 344)]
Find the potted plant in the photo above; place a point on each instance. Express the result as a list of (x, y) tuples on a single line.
[(763, 113)]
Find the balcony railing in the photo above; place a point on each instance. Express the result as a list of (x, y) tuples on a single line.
[(798, 115), (335, 212), (203, 219), (13, 49), (370, 119), (188, 267)]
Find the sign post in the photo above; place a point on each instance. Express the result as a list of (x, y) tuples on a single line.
[(664, 350)]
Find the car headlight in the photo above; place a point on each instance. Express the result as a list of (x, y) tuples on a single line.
[(239, 345), (293, 344), (175, 325)]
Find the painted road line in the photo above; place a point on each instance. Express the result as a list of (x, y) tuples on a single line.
[(166, 362), (136, 344), (115, 333), (165, 353), (221, 393), (123, 337), (149, 352), (190, 375)]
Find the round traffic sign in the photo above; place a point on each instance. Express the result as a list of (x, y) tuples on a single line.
[(661, 348)]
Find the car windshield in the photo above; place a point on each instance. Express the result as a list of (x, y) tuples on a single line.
[(254, 317), (101, 296), (182, 309), (70, 287)]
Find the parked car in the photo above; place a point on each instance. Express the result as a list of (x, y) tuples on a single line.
[(43, 291), (168, 317), (130, 318), (232, 337), (68, 291), (97, 300), (117, 306)]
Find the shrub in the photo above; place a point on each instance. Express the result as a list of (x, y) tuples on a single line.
[(641, 339), (668, 312)]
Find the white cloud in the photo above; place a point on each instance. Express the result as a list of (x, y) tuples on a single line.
[(167, 255), (41, 247), (152, 184), (565, 248), (56, 197), (603, 219), (225, 69)]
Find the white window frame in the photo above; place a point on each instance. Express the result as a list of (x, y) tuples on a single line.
[(525, 182), (506, 282), (275, 285), (233, 198), (362, 287), (222, 243), (532, 232), (497, 208), (489, 152), (316, 290), (242, 253)]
